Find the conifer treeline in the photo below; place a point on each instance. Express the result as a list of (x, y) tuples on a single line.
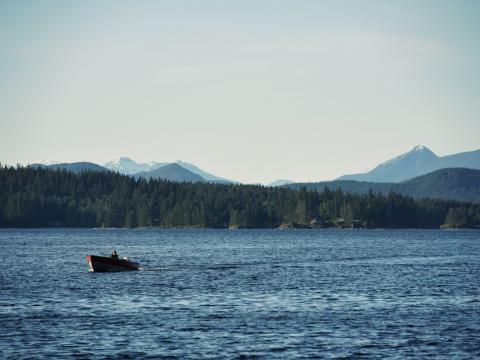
[(56, 198)]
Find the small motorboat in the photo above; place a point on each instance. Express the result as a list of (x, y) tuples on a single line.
[(103, 263)]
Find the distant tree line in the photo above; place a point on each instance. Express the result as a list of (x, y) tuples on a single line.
[(36, 197)]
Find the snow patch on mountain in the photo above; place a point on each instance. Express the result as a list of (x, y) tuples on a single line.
[(127, 166)]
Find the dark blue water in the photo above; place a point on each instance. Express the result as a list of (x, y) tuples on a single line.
[(241, 294)]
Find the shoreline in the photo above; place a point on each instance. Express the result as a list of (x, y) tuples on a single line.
[(237, 229)]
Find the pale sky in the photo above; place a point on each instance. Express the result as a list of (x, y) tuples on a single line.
[(248, 90)]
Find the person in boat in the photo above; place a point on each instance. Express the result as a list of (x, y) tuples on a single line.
[(114, 255)]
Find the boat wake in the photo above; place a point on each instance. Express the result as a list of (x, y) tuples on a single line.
[(189, 267), (141, 268)]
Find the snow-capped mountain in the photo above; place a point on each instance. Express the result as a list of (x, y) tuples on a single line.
[(418, 161), (127, 166)]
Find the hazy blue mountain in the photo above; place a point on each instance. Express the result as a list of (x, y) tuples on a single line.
[(470, 159), (127, 166), (205, 175), (75, 167), (172, 172), (280, 182), (419, 161), (452, 184)]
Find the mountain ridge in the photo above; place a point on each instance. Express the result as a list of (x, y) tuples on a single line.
[(172, 172), (280, 182), (416, 162)]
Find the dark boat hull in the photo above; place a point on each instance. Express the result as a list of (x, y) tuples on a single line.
[(107, 264)]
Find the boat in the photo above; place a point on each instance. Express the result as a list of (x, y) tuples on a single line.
[(104, 264)]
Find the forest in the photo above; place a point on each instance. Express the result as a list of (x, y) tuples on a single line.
[(37, 197)]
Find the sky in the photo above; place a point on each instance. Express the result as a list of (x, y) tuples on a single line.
[(252, 91)]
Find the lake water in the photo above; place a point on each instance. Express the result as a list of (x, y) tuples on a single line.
[(241, 294)]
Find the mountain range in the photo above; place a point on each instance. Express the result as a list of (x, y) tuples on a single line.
[(416, 173), (127, 166), (419, 161), (178, 171)]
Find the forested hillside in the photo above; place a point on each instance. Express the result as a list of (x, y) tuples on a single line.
[(37, 197), (448, 184)]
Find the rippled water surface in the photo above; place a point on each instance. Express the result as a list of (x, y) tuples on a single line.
[(241, 294)]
